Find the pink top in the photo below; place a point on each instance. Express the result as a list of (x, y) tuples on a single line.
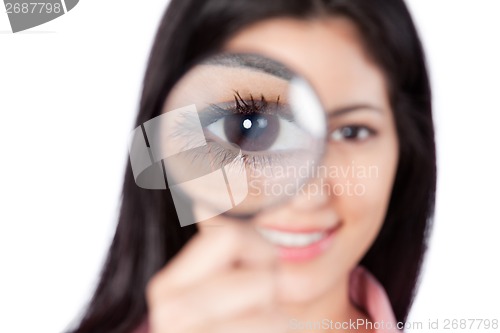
[(365, 292), (369, 295)]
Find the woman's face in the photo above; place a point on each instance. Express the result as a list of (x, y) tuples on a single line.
[(324, 232)]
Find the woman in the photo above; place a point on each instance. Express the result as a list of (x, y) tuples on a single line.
[(161, 277)]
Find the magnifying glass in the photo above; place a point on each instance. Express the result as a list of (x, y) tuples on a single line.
[(238, 133)]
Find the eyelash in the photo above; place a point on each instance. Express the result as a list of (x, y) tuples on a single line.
[(241, 106), (344, 133), (251, 106)]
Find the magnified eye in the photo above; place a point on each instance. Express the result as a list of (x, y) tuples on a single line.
[(237, 133), (255, 126), (256, 132)]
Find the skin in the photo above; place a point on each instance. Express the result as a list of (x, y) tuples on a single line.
[(256, 287)]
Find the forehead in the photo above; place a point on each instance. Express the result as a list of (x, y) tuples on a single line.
[(328, 52)]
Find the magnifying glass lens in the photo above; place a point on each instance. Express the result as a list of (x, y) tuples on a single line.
[(238, 133)]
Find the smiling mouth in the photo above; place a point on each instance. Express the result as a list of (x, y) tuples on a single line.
[(299, 246), (292, 239)]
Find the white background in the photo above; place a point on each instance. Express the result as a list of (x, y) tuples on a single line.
[(69, 92)]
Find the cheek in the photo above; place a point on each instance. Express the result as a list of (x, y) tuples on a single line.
[(364, 188)]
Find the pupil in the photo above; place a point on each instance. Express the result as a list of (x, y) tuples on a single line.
[(254, 132)]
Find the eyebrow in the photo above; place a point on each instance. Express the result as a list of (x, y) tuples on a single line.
[(352, 108), (251, 61)]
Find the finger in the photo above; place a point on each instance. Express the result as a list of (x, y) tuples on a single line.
[(213, 251), (253, 251), (221, 297)]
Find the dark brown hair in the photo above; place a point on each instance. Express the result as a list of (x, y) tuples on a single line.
[(148, 234)]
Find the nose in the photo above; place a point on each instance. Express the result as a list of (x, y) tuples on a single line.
[(311, 196)]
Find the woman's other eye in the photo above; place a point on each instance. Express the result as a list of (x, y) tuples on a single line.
[(351, 133)]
